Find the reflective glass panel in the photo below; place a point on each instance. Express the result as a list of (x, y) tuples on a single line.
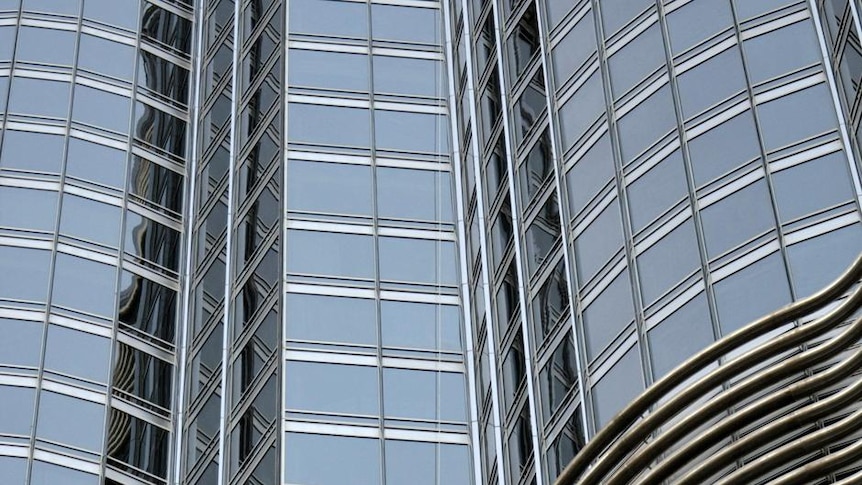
[(420, 326), (608, 314), (812, 186), (679, 336), (39, 97), (409, 77), (331, 460), (77, 353), (111, 12), (424, 395), (753, 292), (599, 241), (332, 388), (349, 255), (406, 24), (21, 343), (25, 274), (50, 474), (622, 383), (736, 218), (420, 463), (711, 154), (635, 60), (780, 121), (85, 431), (411, 132), (90, 220), (329, 125), (778, 52), (668, 261), (18, 406), (45, 46), (417, 260), (590, 173), (329, 187), (574, 49), (84, 285), (106, 57), (96, 163), (815, 262), (101, 108), (696, 21), (646, 123), (656, 191), (328, 70), (40, 213), (331, 319), (414, 194), (711, 82), (328, 17)]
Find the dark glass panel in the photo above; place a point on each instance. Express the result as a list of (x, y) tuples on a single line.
[(139, 444), (558, 378), (147, 307), (550, 302), (142, 375)]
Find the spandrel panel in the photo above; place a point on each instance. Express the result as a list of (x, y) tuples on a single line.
[(608, 314), (103, 56), (25, 274), (45, 46), (737, 218), (812, 186), (331, 319), (96, 163), (622, 383), (409, 77), (668, 261), (679, 336), (329, 18), (331, 460), (40, 213), (414, 194), (38, 97), (18, 406), (781, 124), (635, 60), (329, 188), (711, 82), (814, 263), (90, 220), (82, 284), (85, 431), (697, 21), (332, 388), (406, 24), (328, 70), (656, 191), (751, 293), (712, 156), (21, 344), (346, 255), (420, 326), (77, 353)]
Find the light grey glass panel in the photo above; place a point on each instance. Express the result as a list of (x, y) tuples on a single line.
[(45, 46), (18, 406), (4, 88), (350, 255), (737, 218), (711, 82), (427, 463), (85, 285), (328, 17), (96, 163), (425, 395), (332, 388), (406, 24), (417, 260), (778, 52), (331, 460), (38, 152), (646, 123), (712, 155), (780, 121), (414, 194), (420, 326), (85, 431), (329, 187), (77, 353), (21, 344), (14, 470), (90, 220), (685, 332), (557, 9), (599, 241), (111, 12), (40, 213), (751, 293), (814, 263), (746, 9), (574, 49), (331, 319), (106, 57), (635, 60), (25, 273), (696, 21), (101, 108), (618, 387), (581, 110), (62, 7), (666, 263), (50, 474), (662, 187), (7, 42), (329, 125), (39, 97), (812, 186), (412, 132), (589, 174), (410, 77), (616, 13), (329, 70), (608, 314)]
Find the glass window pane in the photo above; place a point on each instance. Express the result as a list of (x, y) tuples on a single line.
[(558, 378), (608, 314), (25, 273), (348, 255), (409, 77), (616, 13), (737, 218), (328, 17), (622, 383), (332, 388), (45, 46), (574, 49), (781, 124), (90, 220), (814, 263), (14, 470), (96, 163), (427, 463), (712, 156), (106, 57), (329, 187), (812, 186), (581, 110), (417, 261), (148, 306), (331, 460), (685, 332), (592, 172), (711, 82), (50, 474), (19, 403), (111, 12), (84, 285), (38, 97), (331, 319), (424, 395), (21, 343), (697, 21), (406, 24), (746, 9), (85, 431), (328, 70), (636, 60), (63, 7), (646, 123), (41, 205), (656, 191), (411, 132), (751, 293), (102, 109), (410, 194), (420, 326), (599, 241), (667, 262), (77, 353), (329, 125), (38, 152), (778, 52)]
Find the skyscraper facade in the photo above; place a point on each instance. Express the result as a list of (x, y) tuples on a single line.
[(396, 241)]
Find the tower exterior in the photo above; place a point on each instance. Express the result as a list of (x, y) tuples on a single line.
[(396, 242)]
